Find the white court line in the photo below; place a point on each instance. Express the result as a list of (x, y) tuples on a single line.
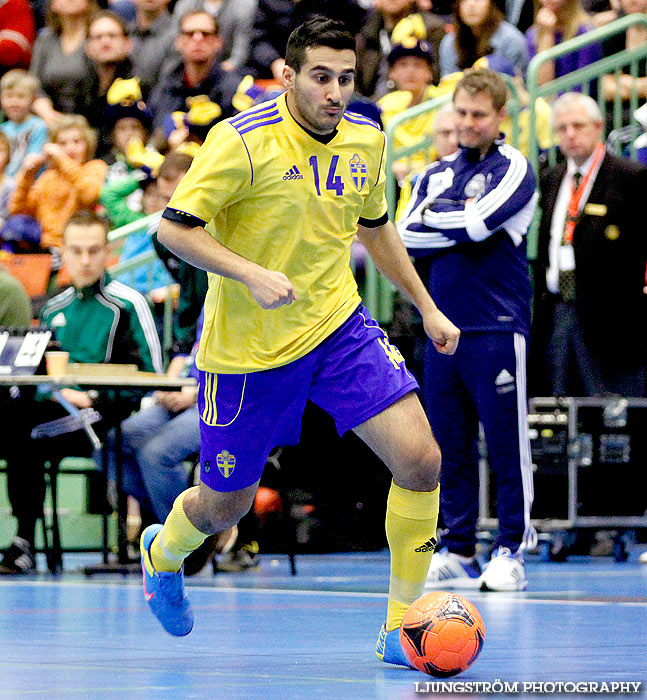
[(489, 598)]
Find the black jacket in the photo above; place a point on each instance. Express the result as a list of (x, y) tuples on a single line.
[(610, 245), (171, 92)]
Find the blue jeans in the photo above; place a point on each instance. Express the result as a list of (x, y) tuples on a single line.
[(155, 444)]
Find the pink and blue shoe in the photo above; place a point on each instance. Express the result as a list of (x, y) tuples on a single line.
[(164, 591)]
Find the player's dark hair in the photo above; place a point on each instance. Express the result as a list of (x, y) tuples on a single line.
[(318, 31), (484, 80)]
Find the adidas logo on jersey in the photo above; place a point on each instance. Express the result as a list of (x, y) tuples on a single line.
[(428, 546), (293, 174), (504, 377)]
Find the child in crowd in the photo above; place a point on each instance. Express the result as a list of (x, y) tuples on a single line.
[(26, 132), (130, 124), (6, 183), (72, 181), (118, 199)]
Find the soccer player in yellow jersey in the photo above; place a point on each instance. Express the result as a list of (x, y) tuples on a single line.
[(269, 209)]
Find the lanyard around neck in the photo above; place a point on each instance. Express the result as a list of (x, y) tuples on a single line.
[(577, 194)]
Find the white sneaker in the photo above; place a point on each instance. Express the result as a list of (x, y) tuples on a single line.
[(448, 570), (504, 572), (643, 557)]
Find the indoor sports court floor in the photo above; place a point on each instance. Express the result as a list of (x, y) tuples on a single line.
[(264, 634)]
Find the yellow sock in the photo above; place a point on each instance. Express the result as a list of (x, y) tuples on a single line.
[(411, 520), (176, 540)]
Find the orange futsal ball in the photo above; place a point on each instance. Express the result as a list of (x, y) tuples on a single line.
[(442, 634)]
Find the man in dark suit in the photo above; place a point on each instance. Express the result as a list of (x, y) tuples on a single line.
[(590, 307)]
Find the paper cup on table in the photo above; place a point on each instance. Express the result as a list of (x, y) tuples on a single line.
[(56, 362)]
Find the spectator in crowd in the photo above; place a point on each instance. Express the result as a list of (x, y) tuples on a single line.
[(275, 20), (556, 22), (624, 83), (592, 254), (197, 75), (411, 71), (126, 200), (393, 22), (17, 34), (469, 216), (96, 320), (128, 123), (72, 181), (235, 19), (15, 304), (108, 48), (152, 34), (59, 60), (26, 132), (479, 30), (444, 131)]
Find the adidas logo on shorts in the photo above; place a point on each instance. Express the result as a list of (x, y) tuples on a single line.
[(293, 174)]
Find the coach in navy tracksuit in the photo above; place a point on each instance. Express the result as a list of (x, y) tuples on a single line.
[(469, 214)]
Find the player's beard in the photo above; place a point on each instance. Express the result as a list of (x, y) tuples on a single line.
[(314, 117)]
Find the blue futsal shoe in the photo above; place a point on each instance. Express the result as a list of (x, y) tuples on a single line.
[(164, 591), (389, 649)]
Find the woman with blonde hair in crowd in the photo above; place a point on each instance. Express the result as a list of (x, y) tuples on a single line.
[(556, 22), (59, 60), (71, 182), (480, 30)]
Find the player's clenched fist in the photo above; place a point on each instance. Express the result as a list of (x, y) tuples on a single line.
[(271, 289), (442, 331)]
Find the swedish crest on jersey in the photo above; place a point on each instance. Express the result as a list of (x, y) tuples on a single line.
[(358, 171), (226, 463)]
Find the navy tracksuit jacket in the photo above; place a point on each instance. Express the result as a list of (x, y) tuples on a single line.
[(469, 217)]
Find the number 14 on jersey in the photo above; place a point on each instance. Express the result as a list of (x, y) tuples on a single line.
[(333, 182)]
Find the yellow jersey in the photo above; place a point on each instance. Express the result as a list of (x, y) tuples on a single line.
[(273, 193)]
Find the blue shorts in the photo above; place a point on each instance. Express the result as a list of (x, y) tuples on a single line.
[(353, 374)]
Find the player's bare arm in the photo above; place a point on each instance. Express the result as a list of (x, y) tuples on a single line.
[(391, 258), (269, 288)]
